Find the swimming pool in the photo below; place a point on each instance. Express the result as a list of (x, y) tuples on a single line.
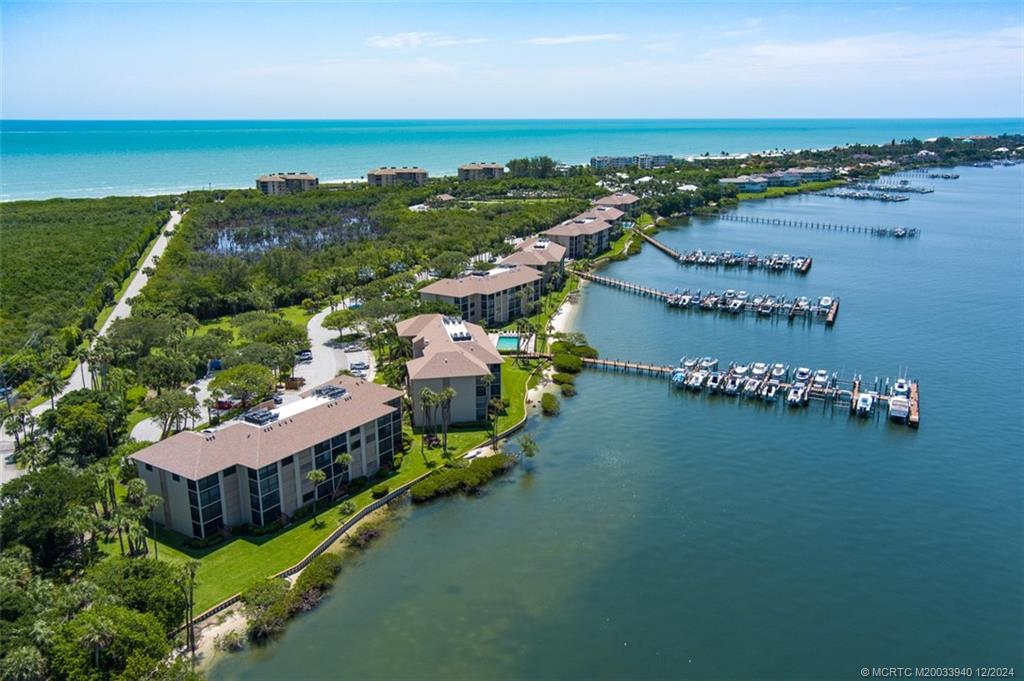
[(507, 343)]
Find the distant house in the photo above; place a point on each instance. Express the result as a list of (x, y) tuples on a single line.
[(924, 153), (492, 297), (810, 174), (286, 183), (624, 201), (471, 172), (448, 352), (253, 471), (542, 254), (388, 177), (753, 184)]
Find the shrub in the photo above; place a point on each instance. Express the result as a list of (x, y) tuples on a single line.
[(407, 441), (380, 491), (347, 508), (313, 582), (549, 405), (563, 379), (466, 478), (397, 461), (270, 528), (363, 535), (232, 641), (560, 347), (264, 607), (212, 540), (584, 351), (301, 513), (568, 390), (567, 363), (357, 485)]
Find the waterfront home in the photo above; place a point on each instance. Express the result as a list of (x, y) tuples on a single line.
[(624, 201), (782, 178), (470, 172), (387, 177), (746, 183), (810, 174), (253, 471), (583, 236), (449, 352), (495, 296), (924, 153), (642, 161), (542, 254), (286, 183)]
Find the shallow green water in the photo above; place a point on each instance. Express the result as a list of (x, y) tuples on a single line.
[(661, 534)]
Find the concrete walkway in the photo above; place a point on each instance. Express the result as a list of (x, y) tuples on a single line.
[(80, 376)]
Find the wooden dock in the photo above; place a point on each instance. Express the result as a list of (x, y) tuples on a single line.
[(761, 306), (897, 232), (836, 392), (729, 259)]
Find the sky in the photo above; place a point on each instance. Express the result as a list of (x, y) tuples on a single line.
[(134, 60)]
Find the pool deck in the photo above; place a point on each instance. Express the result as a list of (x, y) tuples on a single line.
[(509, 334)]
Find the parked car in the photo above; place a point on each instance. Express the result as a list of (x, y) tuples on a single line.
[(359, 365), (304, 356), (359, 373), (278, 398)]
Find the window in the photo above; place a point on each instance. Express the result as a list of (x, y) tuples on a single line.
[(321, 447), (287, 461), (228, 471), (175, 477), (148, 467), (308, 496)]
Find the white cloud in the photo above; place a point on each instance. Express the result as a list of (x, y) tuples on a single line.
[(747, 26), (576, 39), (412, 40)]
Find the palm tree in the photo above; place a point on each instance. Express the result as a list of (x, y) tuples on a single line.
[(52, 384), (428, 398), (12, 427), (343, 460), (194, 411), (494, 407), (445, 398), (82, 355), (98, 635), (137, 535), (188, 587), (316, 476), (525, 329), (24, 663)]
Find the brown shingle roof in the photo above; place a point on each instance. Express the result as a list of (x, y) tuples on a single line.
[(482, 284), (481, 166), (527, 253), (578, 226), (443, 357), (618, 199), (196, 455)]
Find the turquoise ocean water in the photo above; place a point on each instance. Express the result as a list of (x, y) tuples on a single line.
[(43, 159), (668, 535)]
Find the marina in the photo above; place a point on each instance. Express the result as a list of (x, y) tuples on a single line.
[(901, 187), (898, 399), (774, 262), (896, 232), (864, 195), (733, 302)]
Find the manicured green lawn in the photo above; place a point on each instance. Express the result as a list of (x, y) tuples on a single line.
[(229, 568)]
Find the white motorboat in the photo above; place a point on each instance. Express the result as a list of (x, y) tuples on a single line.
[(689, 363), (759, 370), (821, 378), (795, 397), (709, 363), (803, 374), (901, 388), (678, 378), (825, 302), (779, 372), (742, 295), (696, 380), (771, 390), (735, 306), (732, 385), (899, 409), (715, 381), (740, 370), (751, 386), (865, 403)]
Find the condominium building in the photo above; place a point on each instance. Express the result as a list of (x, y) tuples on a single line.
[(481, 171), (542, 254), (493, 297), (587, 234), (286, 183), (387, 177), (253, 471), (624, 201), (746, 183), (642, 161), (811, 174), (451, 353)]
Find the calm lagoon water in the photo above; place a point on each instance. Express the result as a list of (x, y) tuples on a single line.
[(662, 534), (43, 159)]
